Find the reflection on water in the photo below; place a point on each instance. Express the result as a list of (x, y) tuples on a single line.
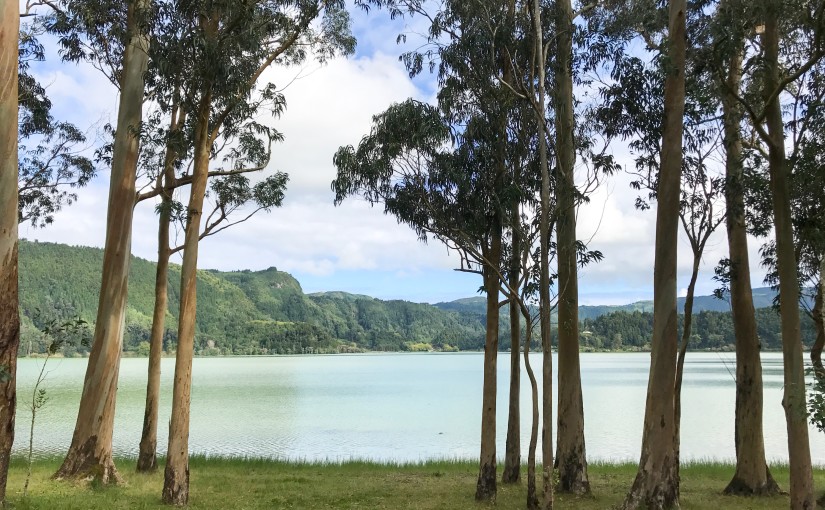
[(399, 407)]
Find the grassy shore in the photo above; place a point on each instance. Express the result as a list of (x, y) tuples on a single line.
[(264, 484)]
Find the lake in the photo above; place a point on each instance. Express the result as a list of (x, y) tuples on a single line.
[(395, 407)]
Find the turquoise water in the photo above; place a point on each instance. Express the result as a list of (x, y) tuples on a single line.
[(395, 407)]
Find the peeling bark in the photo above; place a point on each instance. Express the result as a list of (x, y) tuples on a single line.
[(793, 400), (486, 485), (176, 474), (570, 458), (147, 454), (9, 298), (512, 456), (752, 476), (657, 481), (90, 453)]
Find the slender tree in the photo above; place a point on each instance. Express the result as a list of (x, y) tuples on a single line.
[(9, 313), (571, 457), (752, 475), (799, 453), (657, 481), (233, 45), (91, 448)]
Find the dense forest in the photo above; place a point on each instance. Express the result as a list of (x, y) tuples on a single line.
[(267, 312)]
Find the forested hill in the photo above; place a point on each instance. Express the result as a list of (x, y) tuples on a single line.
[(239, 312), (267, 312), (762, 298)]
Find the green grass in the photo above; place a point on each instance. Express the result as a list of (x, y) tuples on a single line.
[(264, 484)]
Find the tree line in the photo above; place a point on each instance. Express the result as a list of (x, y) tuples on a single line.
[(266, 312), (719, 104)]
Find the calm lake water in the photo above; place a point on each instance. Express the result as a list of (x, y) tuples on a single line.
[(395, 407)]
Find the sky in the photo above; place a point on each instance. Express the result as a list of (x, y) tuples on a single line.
[(354, 247)]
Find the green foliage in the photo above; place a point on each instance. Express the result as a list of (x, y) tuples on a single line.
[(816, 401), (239, 312), (267, 312), (712, 330), (50, 162)]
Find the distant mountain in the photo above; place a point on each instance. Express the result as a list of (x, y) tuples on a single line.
[(239, 312), (267, 312), (762, 298)]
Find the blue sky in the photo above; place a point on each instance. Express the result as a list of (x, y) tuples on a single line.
[(353, 247)]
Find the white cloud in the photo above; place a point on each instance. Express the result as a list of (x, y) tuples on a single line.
[(327, 107)]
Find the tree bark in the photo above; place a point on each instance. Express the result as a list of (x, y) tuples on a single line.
[(176, 475), (752, 476), (570, 458), (9, 300), (512, 456), (486, 485), (657, 481), (90, 453), (793, 400), (147, 455), (544, 270), (532, 496)]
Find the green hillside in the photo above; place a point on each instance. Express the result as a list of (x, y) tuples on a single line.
[(239, 312), (267, 312)]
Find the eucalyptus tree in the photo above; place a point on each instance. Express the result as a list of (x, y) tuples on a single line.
[(571, 458), (9, 311), (113, 36), (435, 179), (231, 44), (725, 55), (790, 45), (230, 192), (468, 43), (657, 480)]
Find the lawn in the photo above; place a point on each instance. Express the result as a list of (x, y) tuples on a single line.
[(265, 484)]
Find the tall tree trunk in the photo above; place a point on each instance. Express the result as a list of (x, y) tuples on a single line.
[(486, 486), (570, 449), (147, 455), (512, 455), (176, 475), (544, 269), (752, 476), (793, 400), (532, 496), (657, 481), (9, 311), (90, 452)]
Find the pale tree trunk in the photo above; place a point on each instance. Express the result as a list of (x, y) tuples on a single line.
[(532, 495), (793, 400), (9, 312), (486, 485), (176, 475), (570, 449), (512, 456), (90, 452), (147, 455), (657, 481), (544, 272), (752, 476)]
